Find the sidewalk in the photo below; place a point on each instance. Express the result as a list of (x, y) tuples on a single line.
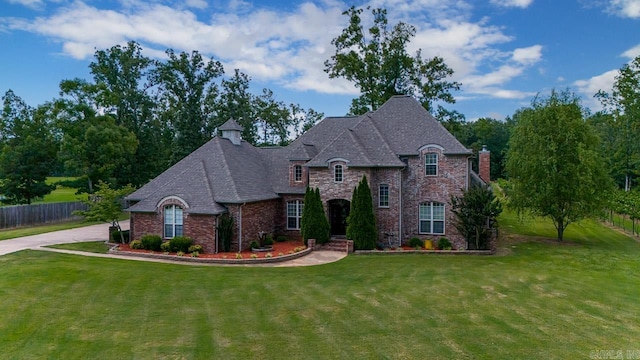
[(100, 232)]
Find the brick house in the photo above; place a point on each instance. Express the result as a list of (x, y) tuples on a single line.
[(412, 162)]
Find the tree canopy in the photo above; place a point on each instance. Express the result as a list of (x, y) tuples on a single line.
[(553, 162), (376, 61)]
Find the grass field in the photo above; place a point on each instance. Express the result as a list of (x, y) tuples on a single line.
[(90, 246), (61, 193), (538, 299)]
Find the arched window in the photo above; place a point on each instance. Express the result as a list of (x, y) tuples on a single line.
[(337, 173), (172, 221), (294, 214), (432, 218), (297, 173)]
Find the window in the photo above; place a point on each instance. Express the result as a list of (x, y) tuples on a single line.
[(297, 173), (172, 221), (383, 195), (432, 218), (294, 214), (337, 173), (431, 164)]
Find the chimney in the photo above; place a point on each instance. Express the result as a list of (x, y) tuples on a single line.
[(484, 164), (232, 131)]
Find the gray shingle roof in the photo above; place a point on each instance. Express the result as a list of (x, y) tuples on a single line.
[(230, 125), (221, 173)]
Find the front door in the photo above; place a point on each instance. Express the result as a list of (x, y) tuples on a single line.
[(338, 212)]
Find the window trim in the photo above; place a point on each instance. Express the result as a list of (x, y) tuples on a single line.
[(336, 173), (299, 206), (297, 173), (428, 165), (380, 197), (431, 205), (173, 209)]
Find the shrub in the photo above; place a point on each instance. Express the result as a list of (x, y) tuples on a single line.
[(116, 238), (281, 238), (225, 231), (254, 244), (268, 255), (314, 223), (151, 242), (196, 249), (136, 244), (180, 243), (166, 247), (415, 242), (254, 256), (238, 256), (195, 254), (444, 244), (180, 253), (361, 222), (268, 241)]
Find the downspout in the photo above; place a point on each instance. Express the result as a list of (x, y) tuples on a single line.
[(240, 228), (217, 234), (400, 207)]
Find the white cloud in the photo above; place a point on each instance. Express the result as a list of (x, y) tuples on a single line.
[(34, 4), (632, 53), (589, 87), (289, 47), (512, 3), (528, 55), (625, 8)]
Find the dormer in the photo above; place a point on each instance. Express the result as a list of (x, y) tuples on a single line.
[(232, 130)]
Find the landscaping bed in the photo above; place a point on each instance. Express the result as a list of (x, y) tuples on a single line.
[(282, 251)]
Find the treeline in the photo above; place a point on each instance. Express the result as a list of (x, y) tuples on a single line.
[(135, 118)]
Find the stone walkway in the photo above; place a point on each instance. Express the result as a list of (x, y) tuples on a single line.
[(99, 232)]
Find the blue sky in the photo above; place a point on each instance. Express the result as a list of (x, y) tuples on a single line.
[(503, 52)]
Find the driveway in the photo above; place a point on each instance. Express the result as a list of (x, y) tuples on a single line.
[(101, 232), (81, 234)]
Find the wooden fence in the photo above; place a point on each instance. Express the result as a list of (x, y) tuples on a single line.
[(28, 215)]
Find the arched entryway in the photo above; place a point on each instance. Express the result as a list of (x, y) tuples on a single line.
[(338, 212)]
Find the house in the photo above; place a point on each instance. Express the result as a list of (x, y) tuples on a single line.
[(412, 162)]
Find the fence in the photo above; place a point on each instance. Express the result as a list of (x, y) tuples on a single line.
[(27, 215)]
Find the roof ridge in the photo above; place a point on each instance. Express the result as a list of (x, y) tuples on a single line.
[(384, 139), (208, 180), (361, 148), (227, 169)]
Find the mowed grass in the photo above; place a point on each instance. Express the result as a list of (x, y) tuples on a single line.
[(61, 193), (538, 299), (98, 247)]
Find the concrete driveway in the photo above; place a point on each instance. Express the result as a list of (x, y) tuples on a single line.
[(81, 234), (101, 232)]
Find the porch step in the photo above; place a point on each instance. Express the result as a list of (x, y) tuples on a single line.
[(336, 245)]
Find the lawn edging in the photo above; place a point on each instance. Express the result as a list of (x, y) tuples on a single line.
[(435, 252), (188, 258)]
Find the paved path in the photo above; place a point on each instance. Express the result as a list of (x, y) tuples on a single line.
[(100, 232)]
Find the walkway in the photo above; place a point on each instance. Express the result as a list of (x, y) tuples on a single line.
[(99, 232)]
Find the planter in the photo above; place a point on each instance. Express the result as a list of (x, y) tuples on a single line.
[(262, 249)]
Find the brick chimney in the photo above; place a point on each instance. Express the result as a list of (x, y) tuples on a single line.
[(484, 164)]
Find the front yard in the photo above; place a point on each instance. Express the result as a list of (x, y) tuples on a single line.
[(536, 299)]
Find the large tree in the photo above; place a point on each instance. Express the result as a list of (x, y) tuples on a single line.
[(553, 162), (27, 151), (623, 103), (377, 62)]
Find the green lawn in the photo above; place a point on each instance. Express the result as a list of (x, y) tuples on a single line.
[(91, 246), (61, 193), (539, 299)]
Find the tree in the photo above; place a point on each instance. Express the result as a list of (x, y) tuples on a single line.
[(314, 223), (27, 153), (378, 64), (106, 205), (476, 213), (553, 162), (187, 91), (361, 222), (624, 104)]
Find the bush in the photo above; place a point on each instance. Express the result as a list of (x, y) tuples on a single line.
[(180, 244), (281, 238), (196, 249), (166, 246), (136, 244), (116, 238), (415, 242), (268, 241), (254, 244), (444, 244), (151, 242)]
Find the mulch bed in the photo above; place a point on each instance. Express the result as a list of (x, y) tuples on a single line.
[(279, 249)]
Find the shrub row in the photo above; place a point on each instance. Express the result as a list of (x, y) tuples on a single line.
[(179, 244)]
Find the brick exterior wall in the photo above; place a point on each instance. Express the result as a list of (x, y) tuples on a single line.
[(305, 173), (201, 228), (256, 217), (484, 165), (322, 178), (417, 188), (281, 218)]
